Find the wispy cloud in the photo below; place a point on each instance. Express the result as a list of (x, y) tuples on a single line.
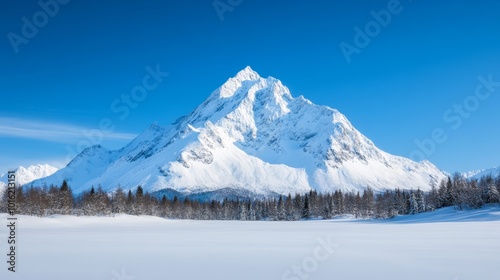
[(51, 131)]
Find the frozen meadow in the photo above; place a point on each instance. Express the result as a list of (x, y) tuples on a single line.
[(446, 244)]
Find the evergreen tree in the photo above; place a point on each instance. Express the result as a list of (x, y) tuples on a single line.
[(88, 203), (367, 202), (65, 199), (328, 207), (101, 202), (413, 204), (492, 194), (289, 208), (129, 204), (297, 207), (272, 209), (420, 200), (281, 215), (474, 195), (339, 202), (164, 207), (139, 202), (242, 211), (306, 210), (357, 205), (433, 199), (139, 193), (176, 208), (119, 201), (252, 213), (448, 198)]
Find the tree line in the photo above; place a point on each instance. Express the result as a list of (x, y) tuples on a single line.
[(455, 191)]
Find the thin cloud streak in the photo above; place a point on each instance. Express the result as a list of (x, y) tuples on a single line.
[(50, 131)]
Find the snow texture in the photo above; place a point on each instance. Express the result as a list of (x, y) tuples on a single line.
[(27, 175), (477, 174), (444, 244), (252, 135)]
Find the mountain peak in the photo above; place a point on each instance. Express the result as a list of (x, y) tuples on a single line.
[(251, 135), (247, 74), (245, 77), (477, 174), (25, 175)]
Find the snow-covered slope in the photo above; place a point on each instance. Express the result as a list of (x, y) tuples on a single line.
[(252, 135), (26, 175), (477, 174)]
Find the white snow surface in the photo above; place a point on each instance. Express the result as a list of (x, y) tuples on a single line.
[(26, 175), (477, 174), (250, 134), (444, 244)]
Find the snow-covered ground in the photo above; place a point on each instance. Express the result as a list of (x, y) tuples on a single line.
[(442, 245)]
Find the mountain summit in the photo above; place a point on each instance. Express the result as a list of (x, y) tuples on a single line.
[(29, 174), (249, 136)]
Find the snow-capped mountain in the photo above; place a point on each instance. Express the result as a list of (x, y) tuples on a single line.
[(250, 135), (477, 174), (27, 175)]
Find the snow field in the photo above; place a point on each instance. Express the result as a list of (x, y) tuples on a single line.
[(442, 245)]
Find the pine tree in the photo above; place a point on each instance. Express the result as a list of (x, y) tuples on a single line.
[(297, 207), (339, 202), (473, 194), (328, 206), (187, 207), (448, 199), (289, 208), (164, 207), (272, 209), (413, 204), (314, 204), (242, 213), (55, 201), (119, 201), (139, 202), (368, 202), (176, 208), (497, 182), (102, 203), (357, 205), (129, 204), (281, 210), (88, 203), (420, 200), (306, 210), (492, 194), (252, 214), (65, 199), (433, 199)]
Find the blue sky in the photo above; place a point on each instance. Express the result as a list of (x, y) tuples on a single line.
[(60, 81)]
